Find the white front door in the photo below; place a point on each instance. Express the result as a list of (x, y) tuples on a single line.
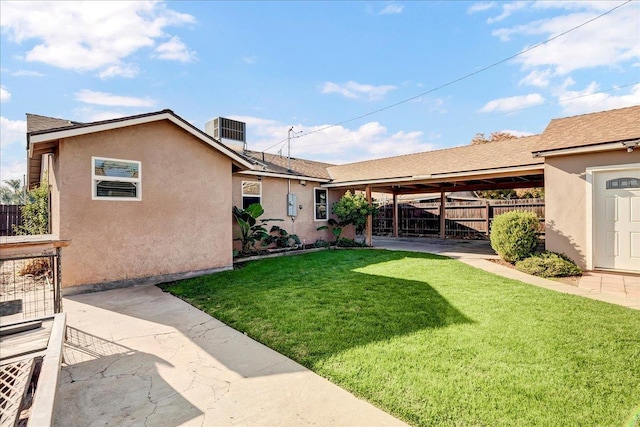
[(616, 219)]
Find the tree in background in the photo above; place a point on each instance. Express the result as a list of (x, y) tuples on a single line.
[(495, 136), (35, 212), (522, 193), (12, 192)]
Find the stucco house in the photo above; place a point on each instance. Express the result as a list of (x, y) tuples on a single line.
[(149, 197), (273, 182)]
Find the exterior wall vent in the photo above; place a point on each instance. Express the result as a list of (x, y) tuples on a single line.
[(228, 131)]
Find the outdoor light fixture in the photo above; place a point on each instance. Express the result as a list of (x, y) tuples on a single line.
[(303, 182), (630, 145)]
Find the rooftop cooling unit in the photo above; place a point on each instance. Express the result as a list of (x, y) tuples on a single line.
[(222, 128)]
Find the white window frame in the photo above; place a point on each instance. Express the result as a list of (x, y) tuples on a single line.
[(95, 178), (251, 195), (315, 204)]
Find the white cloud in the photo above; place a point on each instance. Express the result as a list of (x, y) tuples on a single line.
[(607, 42), (481, 6), (12, 132), (119, 70), (249, 60), (107, 99), (507, 10), (392, 9), (13, 168), (336, 144), (518, 133), (27, 73), (88, 35), (583, 101), (512, 103), (175, 50), (353, 90), (538, 78), (12, 148), (5, 95)]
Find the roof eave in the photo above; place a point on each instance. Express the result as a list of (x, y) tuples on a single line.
[(584, 149), (432, 178), (56, 134), (283, 175)]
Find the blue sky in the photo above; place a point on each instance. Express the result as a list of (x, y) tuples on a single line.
[(314, 64)]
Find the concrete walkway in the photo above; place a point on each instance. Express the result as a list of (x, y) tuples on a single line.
[(141, 357), (608, 287)]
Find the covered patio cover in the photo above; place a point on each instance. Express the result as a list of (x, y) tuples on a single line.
[(507, 164)]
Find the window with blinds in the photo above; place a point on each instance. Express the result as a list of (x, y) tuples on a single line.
[(115, 179)]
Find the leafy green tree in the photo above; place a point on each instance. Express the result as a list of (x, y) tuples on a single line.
[(35, 212), (353, 208), (12, 192)]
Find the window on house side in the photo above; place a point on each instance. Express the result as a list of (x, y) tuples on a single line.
[(114, 179), (251, 193), (320, 204)]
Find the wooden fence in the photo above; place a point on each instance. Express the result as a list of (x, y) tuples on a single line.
[(9, 216), (469, 219)]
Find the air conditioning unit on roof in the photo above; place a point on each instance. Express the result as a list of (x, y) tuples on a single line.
[(229, 132)]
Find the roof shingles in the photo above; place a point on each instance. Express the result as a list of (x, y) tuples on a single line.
[(591, 129), (299, 167), (36, 123), (494, 155)]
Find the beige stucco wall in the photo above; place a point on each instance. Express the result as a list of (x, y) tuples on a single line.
[(566, 199), (180, 225), (274, 202)]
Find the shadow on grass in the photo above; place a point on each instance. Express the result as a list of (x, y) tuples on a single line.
[(312, 306)]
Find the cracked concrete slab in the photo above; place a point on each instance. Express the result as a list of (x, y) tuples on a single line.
[(141, 357)]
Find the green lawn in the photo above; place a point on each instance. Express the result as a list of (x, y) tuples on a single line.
[(434, 341)]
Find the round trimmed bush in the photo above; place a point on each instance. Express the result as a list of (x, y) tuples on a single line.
[(549, 264), (514, 235)]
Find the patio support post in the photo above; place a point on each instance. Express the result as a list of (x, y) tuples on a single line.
[(368, 238), (488, 215), (395, 215), (443, 223)]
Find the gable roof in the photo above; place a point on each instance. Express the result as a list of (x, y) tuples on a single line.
[(37, 123), (44, 132), (511, 153), (592, 129)]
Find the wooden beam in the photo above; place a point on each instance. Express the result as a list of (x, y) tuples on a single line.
[(395, 215), (368, 238), (476, 187), (443, 211)]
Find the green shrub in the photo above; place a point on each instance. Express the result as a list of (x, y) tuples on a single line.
[(549, 264), (35, 212), (514, 235), (353, 208), (320, 243), (349, 243), (281, 238)]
